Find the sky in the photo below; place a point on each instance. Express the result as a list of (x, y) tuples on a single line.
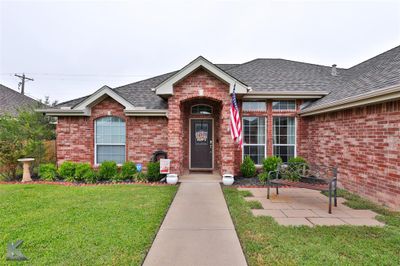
[(73, 48)]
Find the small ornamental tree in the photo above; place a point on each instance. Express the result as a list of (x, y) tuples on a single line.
[(23, 136)]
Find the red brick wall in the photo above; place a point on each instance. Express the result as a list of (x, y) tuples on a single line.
[(75, 135), (364, 143), (187, 90)]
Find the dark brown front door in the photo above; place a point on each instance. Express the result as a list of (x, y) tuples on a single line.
[(201, 144)]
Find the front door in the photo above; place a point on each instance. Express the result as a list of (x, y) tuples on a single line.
[(201, 144)]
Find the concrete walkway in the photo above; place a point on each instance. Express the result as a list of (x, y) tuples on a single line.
[(197, 230)]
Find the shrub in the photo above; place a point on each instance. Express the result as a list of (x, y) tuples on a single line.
[(90, 176), (67, 170), (48, 171), (295, 168), (108, 170), (263, 177), (81, 170), (140, 177), (248, 167), (153, 172), (128, 170), (271, 163)]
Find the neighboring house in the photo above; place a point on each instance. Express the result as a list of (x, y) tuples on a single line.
[(11, 101), (349, 118)]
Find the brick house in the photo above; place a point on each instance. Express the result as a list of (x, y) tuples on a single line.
[(349, 118)]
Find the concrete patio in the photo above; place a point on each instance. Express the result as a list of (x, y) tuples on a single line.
[(299, 206)]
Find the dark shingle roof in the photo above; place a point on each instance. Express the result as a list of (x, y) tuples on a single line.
[(376, 73), (284, 75), (11, 101)]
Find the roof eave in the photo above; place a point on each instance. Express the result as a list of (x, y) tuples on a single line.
[(285, 94), (146, 112), (373, 97)]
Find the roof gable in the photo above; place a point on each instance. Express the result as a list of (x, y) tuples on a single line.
[(99, 95), (166, 87)]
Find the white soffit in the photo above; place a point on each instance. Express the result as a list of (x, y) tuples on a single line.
[(166, 87)]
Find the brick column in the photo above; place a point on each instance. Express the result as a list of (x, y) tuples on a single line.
[(175, 133), (227, 146)]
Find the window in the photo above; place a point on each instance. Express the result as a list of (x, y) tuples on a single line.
[(110, 139), (254, 106), (201, 109), (254, 138), (283, 105), (284, 137)]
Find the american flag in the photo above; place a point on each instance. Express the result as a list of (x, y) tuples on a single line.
[(235, 125)]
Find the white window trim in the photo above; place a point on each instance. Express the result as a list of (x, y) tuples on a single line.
[(295, 136), (265, 135), (106, 144)]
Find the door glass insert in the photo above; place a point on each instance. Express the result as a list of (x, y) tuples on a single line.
[(201, 133)]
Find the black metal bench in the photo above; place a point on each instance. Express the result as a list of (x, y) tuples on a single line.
[(308, 176)]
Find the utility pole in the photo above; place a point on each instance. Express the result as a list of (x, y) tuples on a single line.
[(22, 83)]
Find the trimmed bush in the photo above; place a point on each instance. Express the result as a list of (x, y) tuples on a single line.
[(90, 176), (271, 163), (81, 170), (48, 171), (297, 160), (108, 170), (248, 167), (128, 170), (67, 170), (140, 177), (153, 172)]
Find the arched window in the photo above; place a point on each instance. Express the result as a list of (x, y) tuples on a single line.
[(201, 109), (110, 140)]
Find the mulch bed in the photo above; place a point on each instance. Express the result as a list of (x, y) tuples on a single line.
[(76, 184), (248, 182)]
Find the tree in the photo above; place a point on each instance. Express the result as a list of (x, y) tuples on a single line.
[(22, 136)]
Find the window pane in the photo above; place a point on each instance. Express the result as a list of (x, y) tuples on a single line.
[(284, 137), (111, 153), (254, 106), (254, 130), (202, 109), (256, 153), (283, 105), (110, 130), (285, 152)]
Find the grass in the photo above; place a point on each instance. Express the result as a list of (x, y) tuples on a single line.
[(265, 242), (94, 225)]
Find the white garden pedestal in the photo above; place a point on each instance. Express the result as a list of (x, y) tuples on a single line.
[(26, 176)]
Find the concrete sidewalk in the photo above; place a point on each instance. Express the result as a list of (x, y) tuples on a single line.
[(197, 230)]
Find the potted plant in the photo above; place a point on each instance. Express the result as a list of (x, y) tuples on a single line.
[(227, 179), (172, 179)]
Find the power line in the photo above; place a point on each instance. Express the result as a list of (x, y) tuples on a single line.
[(82, 75), (22, 83)]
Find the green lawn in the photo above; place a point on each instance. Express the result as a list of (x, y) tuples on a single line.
[(265, 242), (93, 225)]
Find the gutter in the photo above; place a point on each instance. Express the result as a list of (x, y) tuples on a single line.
[(285, 94), (377, 96), (63, 112), (147, 112)]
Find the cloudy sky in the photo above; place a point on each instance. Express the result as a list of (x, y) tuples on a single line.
[(73, 48)]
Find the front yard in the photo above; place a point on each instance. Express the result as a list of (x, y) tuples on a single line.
[(264, 242), (96, 225)]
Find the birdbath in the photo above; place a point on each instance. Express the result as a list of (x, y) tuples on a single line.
[(26, 177)]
